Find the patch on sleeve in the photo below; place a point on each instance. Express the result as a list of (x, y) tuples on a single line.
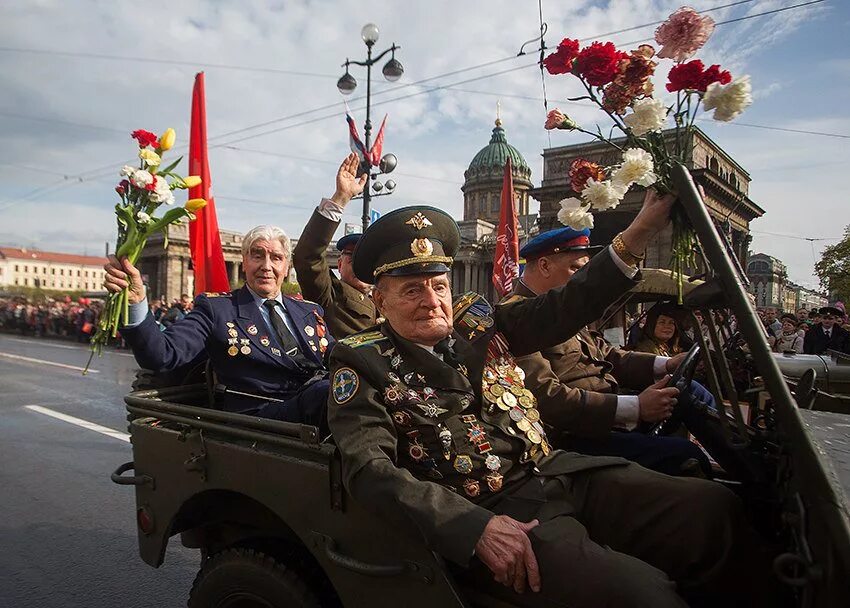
[(344, 385)]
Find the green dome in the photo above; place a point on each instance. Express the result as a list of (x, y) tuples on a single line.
[(492, 158)]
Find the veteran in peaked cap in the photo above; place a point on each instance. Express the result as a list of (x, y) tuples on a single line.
[(559, 240), (411, 240)]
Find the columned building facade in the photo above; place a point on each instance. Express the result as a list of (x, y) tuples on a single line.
[(768, 279), (725, 182)]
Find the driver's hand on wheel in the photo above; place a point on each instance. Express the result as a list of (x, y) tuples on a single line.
[(673, 363), (122, 274), (505, 549), (657, 401)]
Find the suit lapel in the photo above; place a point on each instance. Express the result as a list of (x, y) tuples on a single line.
[(439, 374), (253, 325)]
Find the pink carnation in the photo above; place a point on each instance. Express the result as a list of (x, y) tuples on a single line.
[(683, 34)]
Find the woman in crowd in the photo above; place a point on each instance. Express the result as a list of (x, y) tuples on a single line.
[(789, 339), (660, 334)]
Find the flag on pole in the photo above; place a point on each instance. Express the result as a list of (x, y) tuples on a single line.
[(204, 238), (506, 258), (378, 145)]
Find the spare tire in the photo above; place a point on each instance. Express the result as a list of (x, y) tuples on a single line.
[(245, 577)]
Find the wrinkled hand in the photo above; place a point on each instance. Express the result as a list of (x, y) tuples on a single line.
[(657, 401), (673, 363), (348, 185), (120, 275), (505, 549), (650, 220)]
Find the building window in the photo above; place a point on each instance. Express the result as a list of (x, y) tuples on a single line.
[(16, 270), (26, 268), (61, 272), (87, 274), (16, 281), (713, 165), (26, 282), (53, 271)]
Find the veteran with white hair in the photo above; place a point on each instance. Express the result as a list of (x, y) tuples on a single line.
[(267, 349)]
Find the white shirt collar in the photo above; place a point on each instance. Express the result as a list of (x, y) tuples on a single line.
[(258, 299)]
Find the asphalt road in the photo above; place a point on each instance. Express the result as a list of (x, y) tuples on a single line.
[(67, 533)]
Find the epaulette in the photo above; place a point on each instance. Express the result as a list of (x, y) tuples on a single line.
[(299, 298), (218, 294), (473, 315), (363, 339)]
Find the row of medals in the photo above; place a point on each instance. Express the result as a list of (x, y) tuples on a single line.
[(503, 388)]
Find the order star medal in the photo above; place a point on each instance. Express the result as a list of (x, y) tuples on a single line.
[(252, 329)]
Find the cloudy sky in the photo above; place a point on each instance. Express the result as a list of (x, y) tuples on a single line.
[(76, 77)]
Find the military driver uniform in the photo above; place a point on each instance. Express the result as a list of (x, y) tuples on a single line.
[(268, 355), (439, 440)]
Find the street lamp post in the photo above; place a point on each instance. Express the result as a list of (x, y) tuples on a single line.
[(392, 71)]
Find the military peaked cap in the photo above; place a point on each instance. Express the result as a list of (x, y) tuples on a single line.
[(411, 240), (559, 240), (349, 240), (831, 310)]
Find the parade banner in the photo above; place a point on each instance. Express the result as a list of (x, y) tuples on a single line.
[(506, 258), (204, 237)]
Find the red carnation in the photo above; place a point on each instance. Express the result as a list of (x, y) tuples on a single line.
[(561, 61), (599, 63), (714, 74), (686, 76), (145, 138), (582, 170)]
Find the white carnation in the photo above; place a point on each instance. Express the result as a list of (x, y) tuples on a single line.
[(127, 171), (637, 168), (648, 114), (575, 214), (161, 192), (603, 195), (141, 178), (729, 100), (143, 217)]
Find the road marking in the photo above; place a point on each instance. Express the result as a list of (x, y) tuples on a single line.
[(35, 342), (79, 422), (42, 361)]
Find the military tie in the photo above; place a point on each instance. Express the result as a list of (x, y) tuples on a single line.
[(287, 340), (444, 348)]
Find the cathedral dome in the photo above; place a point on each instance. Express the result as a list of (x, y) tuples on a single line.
[(490, 160)]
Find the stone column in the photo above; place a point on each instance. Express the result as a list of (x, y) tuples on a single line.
[(467, 276)]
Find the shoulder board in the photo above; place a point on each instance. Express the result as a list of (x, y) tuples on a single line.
[(218, 294), (471, 302), (363, 339), (301, 300)]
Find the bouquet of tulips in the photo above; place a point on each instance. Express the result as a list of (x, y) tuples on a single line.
[(620, 84), (143, 191)]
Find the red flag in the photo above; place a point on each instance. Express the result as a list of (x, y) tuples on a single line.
[(506, 258), (378, 146), (204, 238)]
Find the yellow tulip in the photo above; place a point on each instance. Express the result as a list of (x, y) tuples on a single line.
[(194, 204), (150, 157), (191, 181), (166, 140)]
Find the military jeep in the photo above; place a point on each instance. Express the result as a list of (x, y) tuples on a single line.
[(263, 500)]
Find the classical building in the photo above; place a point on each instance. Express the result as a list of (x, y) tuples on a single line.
[(768, 279), (797, 297), (21, 267), (482, 194), (725, 182)]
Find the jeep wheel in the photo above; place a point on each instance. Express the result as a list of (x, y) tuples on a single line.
[(244, 578)]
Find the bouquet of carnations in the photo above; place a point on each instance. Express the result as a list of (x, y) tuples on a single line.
[(620, 84), (142, 192)]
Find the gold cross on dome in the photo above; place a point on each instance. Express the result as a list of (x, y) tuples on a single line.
[(419, 221)]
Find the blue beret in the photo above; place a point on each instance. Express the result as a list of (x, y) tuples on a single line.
[(349, 240), (558, 241)]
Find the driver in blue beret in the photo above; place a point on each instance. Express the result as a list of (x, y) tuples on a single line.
[(578, 382)]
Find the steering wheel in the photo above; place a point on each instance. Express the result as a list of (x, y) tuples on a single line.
[(681, 379)]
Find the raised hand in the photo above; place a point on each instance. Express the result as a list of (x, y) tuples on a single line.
[(122, 274), (650, 220), (505, 549), (348, 185)]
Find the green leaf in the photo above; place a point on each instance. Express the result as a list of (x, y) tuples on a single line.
[(170, 167)]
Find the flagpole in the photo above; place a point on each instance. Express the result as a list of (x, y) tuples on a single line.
[(367, 128)]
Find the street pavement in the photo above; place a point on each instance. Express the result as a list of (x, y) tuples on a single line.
[(67, 533)]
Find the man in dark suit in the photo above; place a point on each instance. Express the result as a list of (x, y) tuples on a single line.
[(828, 334), (267, 349), (346, 300), (439, 435), (577, 381)]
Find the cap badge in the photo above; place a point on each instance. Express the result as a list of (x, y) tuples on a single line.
[(419, 221), (421, 247)]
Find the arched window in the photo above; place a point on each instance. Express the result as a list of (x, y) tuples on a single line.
[(713, 165)]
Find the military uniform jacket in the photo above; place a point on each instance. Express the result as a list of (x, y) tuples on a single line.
[(423, 441), (576, 382), (347, 310), (245, 353), (816, 342)]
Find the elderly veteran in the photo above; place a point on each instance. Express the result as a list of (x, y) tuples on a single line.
[(267, 349), (348, 307), (439, 435), (576, 382)]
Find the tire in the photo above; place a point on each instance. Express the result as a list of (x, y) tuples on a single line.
[(245, 578)]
